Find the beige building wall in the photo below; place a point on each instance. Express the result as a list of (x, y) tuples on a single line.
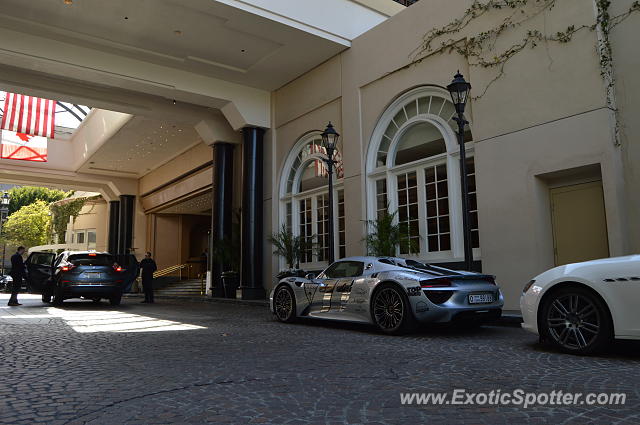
[(624, 39), (543, 123), (94, 216)]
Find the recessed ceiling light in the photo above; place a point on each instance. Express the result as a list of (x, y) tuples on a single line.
[(68, 2)]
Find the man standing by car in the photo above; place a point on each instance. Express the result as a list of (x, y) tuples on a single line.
[(18, 272), (147, 267)]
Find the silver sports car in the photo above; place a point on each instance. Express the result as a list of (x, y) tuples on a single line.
[(392, 293)]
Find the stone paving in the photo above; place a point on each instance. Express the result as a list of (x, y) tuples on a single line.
[(197, 363)]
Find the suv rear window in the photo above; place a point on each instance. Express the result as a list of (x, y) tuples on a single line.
[(91, 260)]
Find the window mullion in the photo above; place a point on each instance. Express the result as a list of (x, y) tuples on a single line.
[(422, 211)]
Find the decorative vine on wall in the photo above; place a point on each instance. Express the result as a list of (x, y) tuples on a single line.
[(480, 49), (61, 214)]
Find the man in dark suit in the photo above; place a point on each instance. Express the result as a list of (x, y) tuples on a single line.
[(18, 272), (147, 267)]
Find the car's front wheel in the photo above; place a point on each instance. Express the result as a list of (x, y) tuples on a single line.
[(284, 302), (391, 310), (575, 321)]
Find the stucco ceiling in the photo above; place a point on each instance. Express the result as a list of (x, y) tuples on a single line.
[(141, 145), (197, 205), (201, 36)]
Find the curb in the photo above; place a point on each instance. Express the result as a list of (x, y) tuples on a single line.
[(511, 320), (204, 299)]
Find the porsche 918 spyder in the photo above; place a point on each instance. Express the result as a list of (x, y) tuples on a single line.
[(392, 293)]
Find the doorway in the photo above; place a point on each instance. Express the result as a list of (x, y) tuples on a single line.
[(579, 223)]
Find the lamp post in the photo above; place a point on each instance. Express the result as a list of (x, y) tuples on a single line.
[(459, 90), (4, 211), (330, 139)]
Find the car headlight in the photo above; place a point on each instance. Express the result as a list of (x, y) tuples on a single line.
[(528, 285)]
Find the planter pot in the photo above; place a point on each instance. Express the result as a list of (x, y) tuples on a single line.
[(231, 282)]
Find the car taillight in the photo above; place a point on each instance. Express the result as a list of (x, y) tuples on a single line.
[(67, 268), (118, 268), (490, 279), (435, 283)]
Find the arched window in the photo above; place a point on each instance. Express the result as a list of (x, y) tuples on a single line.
[(413, 168), (304, 200)]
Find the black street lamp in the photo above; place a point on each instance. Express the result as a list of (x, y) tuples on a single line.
[(330, 139), (4, 212), (459, 90)]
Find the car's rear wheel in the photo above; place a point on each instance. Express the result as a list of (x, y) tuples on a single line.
[(575, 321), (58, 298), (46, 296), (115, 300), (284, 302), (390, 310)]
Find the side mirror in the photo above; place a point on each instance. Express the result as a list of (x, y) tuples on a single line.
[(310, 276)]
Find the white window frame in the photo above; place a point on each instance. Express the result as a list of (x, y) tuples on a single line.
[(390, 173), (294, 197)]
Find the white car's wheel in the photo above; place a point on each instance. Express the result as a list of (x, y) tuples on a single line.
[(390, 310), (576, 321), (284, 302)]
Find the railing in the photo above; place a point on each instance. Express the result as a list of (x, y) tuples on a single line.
[(406, 2), (169, 270)]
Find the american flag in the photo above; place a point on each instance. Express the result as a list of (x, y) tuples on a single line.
[(29, 115)]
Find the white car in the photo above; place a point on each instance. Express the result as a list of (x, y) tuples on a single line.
[(579, 308)]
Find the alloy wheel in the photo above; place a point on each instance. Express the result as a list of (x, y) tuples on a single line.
[(388, 309), (283, 304), (574, 321)]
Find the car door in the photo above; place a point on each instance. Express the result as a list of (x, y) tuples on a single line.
[(39, 270), (334, 287), (621, 281)]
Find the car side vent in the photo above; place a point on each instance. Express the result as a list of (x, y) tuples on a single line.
[(438, 297)]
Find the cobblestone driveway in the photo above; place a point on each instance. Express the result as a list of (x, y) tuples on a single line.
[(220, 363)]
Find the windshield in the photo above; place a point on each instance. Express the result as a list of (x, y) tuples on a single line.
[(91, 260)]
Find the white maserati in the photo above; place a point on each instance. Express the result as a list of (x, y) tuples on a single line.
[(580, 308)]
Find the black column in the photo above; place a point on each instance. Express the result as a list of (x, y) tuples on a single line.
[(222, 209), (125, 232), (252, 237), (114, 221)]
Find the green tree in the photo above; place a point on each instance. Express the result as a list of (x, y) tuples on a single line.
[(29, 226), (25, 195)]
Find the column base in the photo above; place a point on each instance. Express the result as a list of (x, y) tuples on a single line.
[(218, 290), (253, 293)]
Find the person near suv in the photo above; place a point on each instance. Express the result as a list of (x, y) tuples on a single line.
[(18, 272)]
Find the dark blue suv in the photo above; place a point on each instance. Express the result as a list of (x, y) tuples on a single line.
[(79, 274)]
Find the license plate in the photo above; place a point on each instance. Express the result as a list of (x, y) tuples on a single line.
[(93, 275), (481, 299)]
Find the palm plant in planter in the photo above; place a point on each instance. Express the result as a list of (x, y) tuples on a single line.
[(290, 247), (386, 236)]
